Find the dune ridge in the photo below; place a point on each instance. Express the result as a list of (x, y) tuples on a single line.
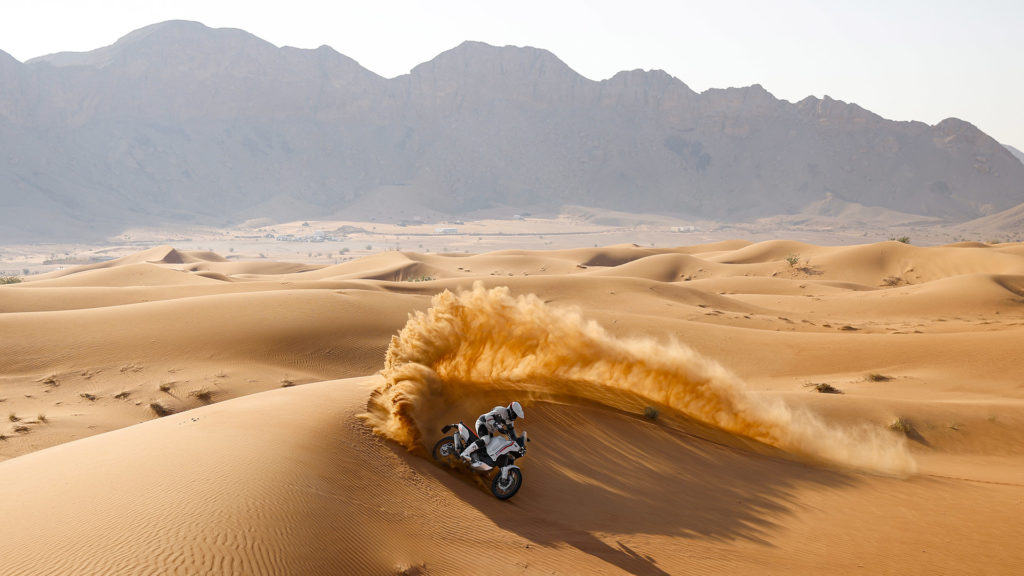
[(486, 339), (260, 459)]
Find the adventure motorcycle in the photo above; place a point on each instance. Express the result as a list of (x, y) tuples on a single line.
[(500, 453)]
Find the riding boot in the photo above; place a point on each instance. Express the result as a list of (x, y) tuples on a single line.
[(473, 446)]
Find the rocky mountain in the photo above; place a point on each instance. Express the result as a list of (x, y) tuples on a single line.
[(1019, 155), (180, 123)]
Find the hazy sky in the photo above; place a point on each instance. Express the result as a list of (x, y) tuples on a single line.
[(903, 59)]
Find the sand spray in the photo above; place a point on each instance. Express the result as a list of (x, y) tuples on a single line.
[(486, 340)]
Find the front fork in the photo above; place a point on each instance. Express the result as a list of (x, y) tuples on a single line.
[(505, 469)]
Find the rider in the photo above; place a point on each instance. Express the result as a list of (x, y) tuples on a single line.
[(493, 422)]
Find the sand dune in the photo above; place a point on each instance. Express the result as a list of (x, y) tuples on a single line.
[(266, 459)]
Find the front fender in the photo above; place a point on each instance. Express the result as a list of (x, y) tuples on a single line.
[(505, 469)]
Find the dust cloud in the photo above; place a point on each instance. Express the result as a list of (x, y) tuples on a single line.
[(481, 341)]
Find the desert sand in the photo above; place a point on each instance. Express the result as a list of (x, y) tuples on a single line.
[(176, 412)]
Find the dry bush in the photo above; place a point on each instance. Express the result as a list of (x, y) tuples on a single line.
[(875, 377), (824, 388), (203, 394), (651, 413), (160, 409), (88, 396), (901, 425)]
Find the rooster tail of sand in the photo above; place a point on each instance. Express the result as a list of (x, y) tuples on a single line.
[(486, 340)]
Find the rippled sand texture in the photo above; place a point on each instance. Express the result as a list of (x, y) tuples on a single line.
[(179, 413)]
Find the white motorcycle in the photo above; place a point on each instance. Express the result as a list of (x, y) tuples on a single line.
[(500, 453)]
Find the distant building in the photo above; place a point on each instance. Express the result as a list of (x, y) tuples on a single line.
[(446, 230)]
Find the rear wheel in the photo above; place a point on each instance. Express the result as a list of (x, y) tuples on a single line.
[(444, 450), (507, 488)]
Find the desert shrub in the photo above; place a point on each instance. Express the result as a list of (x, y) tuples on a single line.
[(13, 417), (41, 417), (21, 428), (875, 377), (423, 278), (4, 279), (903, 239), (793, 259), (203, 394), (650, 412), (160, 409), (824, 388), (892, 281), (165, 387), (88, 396), (901, 425)]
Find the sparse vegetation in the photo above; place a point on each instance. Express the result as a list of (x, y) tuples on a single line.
[(165, 387), (901, 425), (160, 409), (203, 394), (793, 260), (423, 278), (824, 388), (122, 395), (875, 377), (42, 418), (4, 279), (892, 281), (21, 428), (13, 417), (285, 383), (651, 413), (88, 396), (903, 239)]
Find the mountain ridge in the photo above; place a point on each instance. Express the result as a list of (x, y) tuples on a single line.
[(180, 123)]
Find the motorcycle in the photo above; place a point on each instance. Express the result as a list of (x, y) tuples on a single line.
[(500, 453)]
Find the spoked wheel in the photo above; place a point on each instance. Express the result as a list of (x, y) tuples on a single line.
[(444, 450), (507, 488)]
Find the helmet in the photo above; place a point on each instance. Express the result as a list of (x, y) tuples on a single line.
[(515, 410)]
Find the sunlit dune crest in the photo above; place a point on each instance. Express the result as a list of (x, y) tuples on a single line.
[(737, 407)]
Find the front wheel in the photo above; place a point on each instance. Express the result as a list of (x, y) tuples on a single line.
[(507, 488), (444, 450)]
